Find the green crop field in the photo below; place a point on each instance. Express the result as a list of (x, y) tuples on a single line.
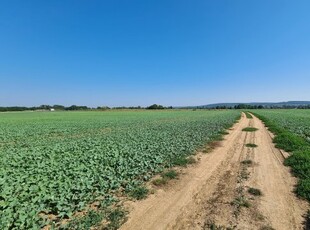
[(292, 128), (54, 164)]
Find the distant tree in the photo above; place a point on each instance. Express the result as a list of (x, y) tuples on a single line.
[(155, 106), (76, 107), (58, 107), (103, 107), (45, 107)]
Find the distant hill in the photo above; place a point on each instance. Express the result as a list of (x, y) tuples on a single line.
[(291, 104)]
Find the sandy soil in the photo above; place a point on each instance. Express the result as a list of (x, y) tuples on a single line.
[(215, 190)]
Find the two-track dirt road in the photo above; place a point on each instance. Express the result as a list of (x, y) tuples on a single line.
[(215, 190)]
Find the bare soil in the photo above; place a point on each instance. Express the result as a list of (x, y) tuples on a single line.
[(214, 192)]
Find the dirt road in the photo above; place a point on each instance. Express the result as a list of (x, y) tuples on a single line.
[(214, 192)]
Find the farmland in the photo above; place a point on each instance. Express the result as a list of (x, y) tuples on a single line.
[(56, 164), (292, 128)]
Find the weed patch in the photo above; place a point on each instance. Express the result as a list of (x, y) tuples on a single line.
[(254, 192), (249, 129), (248, 115), (139, 193), (241, 202), (159, 182), (171, 174), (247, 162), (250, 145)]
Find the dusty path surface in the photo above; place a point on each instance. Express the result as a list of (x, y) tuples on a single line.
[(214, 192)]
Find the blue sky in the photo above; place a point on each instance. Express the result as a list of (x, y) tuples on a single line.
[(114, 53)]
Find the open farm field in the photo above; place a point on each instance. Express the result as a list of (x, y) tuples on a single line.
[(54, 164), (296, 121)]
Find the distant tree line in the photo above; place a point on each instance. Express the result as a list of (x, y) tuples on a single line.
[(75, 108), (151, 107), (43, 107), (245, 106)]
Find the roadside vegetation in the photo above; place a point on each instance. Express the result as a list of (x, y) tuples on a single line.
[(248, 115), (292, 130)]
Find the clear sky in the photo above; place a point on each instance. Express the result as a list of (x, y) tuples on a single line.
[(170, 52)]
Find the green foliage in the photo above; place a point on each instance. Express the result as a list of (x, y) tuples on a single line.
[(248, 115), (289, 141), (254, 191), (247, 162), (155, 106), (292, 129), (139, 192), (160, 181), (250, 145), (92, 218), (249, 129), (171, 174), (241, 202), (115, 218), (58, 163), (300, 163)]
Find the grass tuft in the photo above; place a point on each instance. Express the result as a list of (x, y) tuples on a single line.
[(249, 129), (241, 202), (248, 115), (250, 145), (254, 192), (247, 162), (159, 181), (139, 193), (171, 174)]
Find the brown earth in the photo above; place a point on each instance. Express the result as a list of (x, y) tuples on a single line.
[(214, 192)]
